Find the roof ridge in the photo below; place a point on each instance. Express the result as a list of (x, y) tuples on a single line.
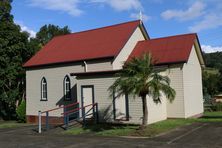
[(98, 28)]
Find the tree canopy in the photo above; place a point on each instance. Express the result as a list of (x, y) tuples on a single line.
[(214, 60), (15, 49), (212, 78), (47, 32), (5, 11), (13, 53)]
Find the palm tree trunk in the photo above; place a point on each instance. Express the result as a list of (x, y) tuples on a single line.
[(145, 111)]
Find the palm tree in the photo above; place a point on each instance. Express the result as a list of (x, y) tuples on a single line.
[(140, 77)]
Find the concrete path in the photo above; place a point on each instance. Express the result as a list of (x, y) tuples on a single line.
[(203, 135)]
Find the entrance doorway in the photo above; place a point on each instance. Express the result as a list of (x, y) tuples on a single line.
[(87, 92)]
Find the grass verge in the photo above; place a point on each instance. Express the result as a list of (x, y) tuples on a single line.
[(213, 114), (150, 131), (10, 124)]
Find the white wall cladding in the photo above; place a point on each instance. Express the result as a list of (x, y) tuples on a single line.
[(187, 81), (128, 48), (176, 108), (54, 77), (135, 110), (192, 78), (99, 65), (157, 112), (101, 94)]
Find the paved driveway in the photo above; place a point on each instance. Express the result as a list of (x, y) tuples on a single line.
[(198, 135)]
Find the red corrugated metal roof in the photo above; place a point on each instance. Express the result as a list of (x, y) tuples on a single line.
[(91, 44), (173, 49)]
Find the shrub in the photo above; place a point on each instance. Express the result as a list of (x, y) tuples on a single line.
[(21, 112), (217, 107)]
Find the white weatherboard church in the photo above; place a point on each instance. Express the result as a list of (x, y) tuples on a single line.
[(80, 67)]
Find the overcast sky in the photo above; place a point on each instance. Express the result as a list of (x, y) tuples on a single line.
[(161, 17)]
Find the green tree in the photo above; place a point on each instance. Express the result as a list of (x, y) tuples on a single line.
[(211, 82), (47, 32), (13, 53), (140, 77), (15, 49), (5, 10), (214, 60)]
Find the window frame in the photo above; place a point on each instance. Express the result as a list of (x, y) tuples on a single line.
[(44, 90), (127, 116), (67, 82)]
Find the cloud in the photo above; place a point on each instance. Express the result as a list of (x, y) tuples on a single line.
[(209, 49), (121, 5), (194, 11), (137, 16), (72, 6), (25, 28), (209, 21), (68, 6)]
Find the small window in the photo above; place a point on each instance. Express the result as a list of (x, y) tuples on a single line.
[(43, 89), (67, 88), (121, 107)]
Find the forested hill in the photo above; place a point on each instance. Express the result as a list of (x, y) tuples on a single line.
[(212, 78), (214, 60)]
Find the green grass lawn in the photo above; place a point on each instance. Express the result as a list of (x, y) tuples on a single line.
[(129, 130), (213, 114), (103, 129), (10, 124), (150, 131)]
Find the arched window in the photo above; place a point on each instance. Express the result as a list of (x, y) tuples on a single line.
[(67, 88), (43, 89)]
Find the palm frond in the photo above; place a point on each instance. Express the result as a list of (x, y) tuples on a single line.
[(139, 77)]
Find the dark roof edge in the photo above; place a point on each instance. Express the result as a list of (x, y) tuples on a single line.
[(144, 31), (65, 62), (116, 71), (170, 63), (94, 73), (198, 42)]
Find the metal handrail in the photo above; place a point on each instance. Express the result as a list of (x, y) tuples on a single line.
[(66, 114), (66, 106), (70, 111), (47, 115)]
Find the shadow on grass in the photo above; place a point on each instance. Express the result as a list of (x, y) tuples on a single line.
[(211, 117), (107, 126)]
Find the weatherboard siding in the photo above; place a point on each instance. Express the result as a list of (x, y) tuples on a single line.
[(175, 109), (99, 65), (101, 94), (157, 112), (54, 76), (192, 77), (128, 48)]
